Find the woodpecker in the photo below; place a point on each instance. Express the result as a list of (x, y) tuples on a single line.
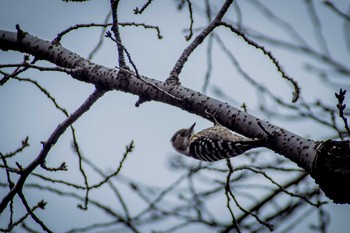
[(212, 144)]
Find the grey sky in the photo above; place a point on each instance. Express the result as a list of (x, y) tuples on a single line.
[(114, 121)]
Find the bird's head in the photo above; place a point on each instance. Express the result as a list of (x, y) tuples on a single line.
[(181, 140)]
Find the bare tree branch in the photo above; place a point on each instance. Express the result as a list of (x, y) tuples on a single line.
[(40, 159)]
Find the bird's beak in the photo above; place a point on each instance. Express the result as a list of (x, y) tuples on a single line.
[(191, 128)]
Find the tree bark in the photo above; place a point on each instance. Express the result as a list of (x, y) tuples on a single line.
[(328, 162)]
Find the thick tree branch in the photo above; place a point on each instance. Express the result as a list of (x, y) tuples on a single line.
[(296, 148)]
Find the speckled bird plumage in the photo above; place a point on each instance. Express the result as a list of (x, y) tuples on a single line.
[(212, 144)]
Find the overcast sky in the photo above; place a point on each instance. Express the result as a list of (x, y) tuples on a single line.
[(114, 120)]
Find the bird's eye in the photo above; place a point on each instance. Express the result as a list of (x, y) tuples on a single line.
[(182, 134)]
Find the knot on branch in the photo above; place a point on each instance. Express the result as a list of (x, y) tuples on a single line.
[(173, 79), (332, 169)]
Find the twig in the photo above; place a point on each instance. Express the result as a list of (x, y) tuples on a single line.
[(137, 11), (296, 92), (316, 26), (46, 93), (280, 21), (109, 35), (17, 71), (227, 193), (142, 99), (283, 189), (20, 220), (19, 149), (174, 74), (261, 203), (341, 106), (189, 36), (103, 25), (77, 26), (128, 149), (31, 213), (209, 64), (41, 68), (145, 26), (336, 10), (100, 40), (62, 167), (9, 181), (150, 84), (76, 148), (60, 129)]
